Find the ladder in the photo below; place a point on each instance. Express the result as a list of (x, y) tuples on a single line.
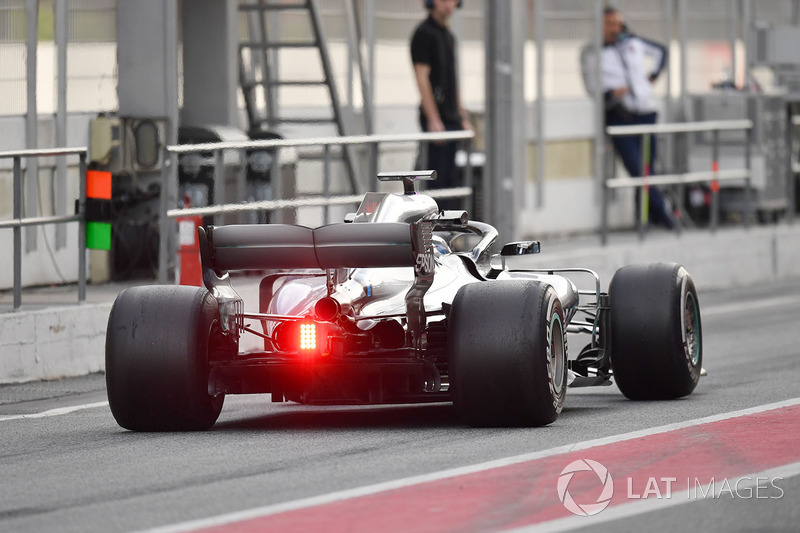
[(257, 72)]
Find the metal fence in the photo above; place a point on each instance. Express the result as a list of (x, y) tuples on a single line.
[(325, 200), (713, 176), (794, 166), (17, 222)]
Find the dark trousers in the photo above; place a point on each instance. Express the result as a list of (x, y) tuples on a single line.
[(631, 151), (442, 158)]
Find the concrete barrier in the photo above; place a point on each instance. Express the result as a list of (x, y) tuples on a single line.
[(728, 258), (53, 343), (69, 340)]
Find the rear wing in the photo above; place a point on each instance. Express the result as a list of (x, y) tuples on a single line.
[(280, 246)]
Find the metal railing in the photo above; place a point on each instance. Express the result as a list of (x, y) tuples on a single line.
[(17, 222), (713, 176), (794, 167), (325, 200)]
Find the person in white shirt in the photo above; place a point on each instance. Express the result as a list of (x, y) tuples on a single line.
[(626, 77)]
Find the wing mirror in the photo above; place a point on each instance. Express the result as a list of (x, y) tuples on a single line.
[(518, 248), (521, 248)]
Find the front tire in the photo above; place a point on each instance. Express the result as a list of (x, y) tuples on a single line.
[(507, 354), (157, 345), (656, 333)]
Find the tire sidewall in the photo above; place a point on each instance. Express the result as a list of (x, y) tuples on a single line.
[(556, 340), (688, 294)]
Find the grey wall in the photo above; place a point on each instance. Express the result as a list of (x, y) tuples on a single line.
[(210, 71), (147, 58)]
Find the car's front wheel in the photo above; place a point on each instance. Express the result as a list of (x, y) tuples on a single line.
[(157, 345), (507, 353), (656, 334)]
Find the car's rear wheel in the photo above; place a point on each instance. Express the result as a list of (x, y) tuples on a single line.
[(157, 346), (656, 333), (507, 354)]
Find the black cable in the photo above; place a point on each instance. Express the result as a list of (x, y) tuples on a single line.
[(44, 233)]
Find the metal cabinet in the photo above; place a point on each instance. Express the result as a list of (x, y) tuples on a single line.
[(770, 148)]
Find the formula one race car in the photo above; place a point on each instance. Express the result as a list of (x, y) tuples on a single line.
[(384, 308)]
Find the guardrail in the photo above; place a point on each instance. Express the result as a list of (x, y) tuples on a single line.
[(325, 200), (17, 222), (713, 176)]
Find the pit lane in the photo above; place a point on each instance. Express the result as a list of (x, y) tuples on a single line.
[(76, 470)]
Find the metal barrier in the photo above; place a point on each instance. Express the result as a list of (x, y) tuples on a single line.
[(17, 222), (714, 176), (372, 141), (794, 167)]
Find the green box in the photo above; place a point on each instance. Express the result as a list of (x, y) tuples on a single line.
[(98, 235)]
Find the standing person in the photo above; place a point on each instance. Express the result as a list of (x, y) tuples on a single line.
[(433, 54), (627, 83)]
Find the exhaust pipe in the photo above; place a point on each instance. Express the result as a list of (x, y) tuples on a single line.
[(327, 309), (389, 333)]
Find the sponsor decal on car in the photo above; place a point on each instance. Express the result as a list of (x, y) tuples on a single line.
[(425, 266)]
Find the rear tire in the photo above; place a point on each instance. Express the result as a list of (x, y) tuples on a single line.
[(507, 354), (157, 345), (656, 333)]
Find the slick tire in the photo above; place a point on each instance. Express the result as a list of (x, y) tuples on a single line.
[(157, 345), (507, 354), (656, 333)]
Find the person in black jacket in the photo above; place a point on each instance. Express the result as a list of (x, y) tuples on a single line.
[(433, 54), (626, 80)]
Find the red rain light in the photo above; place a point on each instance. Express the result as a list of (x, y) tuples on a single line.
[(308, 336)]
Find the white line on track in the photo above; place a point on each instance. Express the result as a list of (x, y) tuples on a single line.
[(444, 474), (739, 307), (54, 412), (639, 507)]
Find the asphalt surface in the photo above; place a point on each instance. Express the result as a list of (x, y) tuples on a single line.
[(725, 513), (79, 471)]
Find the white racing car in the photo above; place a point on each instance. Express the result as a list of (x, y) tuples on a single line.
[(400, 303)]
